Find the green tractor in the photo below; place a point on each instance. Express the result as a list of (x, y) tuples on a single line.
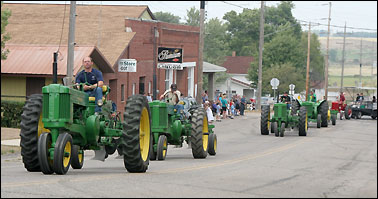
[(317, 111), (281, 119), (171, 127), (58, 125)]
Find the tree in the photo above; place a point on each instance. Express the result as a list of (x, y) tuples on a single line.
[(167, 17), (215, 44), (193, 17), (5, 14)]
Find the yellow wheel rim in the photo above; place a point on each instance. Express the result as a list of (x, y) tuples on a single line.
[(165, 148), (67, 154), (205, 131), (215, 144), (41, 128), (144, 134), (306, 123), (329, 115), (80, 156)]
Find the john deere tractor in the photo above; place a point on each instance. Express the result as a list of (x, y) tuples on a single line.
[(316, 111), (172, 127), (58, 125), (281, 119)]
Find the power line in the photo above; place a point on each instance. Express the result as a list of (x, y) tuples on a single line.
[(308, 21)]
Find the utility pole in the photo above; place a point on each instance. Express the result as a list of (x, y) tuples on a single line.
[(200, 56), (261, 46), (154, 93), (327, 56), (343, 61), (71, 45), (308, 59), (360, 63)]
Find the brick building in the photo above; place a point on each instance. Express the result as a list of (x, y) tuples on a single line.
[(115, 32)]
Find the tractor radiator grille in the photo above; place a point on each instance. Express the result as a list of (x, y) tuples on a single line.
[(64, 105), (45, 108)]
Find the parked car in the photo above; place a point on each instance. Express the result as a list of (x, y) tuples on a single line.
[(360, 109)]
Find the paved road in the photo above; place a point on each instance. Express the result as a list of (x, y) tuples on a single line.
[(338, 161)]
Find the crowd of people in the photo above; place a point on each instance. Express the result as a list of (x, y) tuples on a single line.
[(221, 108)]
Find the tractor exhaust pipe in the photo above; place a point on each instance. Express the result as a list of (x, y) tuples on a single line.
[(55, 68)]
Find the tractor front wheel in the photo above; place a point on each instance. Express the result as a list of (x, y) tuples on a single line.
[(282, 130), (162, 147), (348, 112), (333, 118), (135, 143), (46, 163), (77, 161), (212, 144), (323, 112), (318, 121), (303, 122), (275, 129), (62, 153)]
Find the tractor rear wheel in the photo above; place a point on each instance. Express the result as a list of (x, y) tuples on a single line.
[(46, 163), (199, 138), (303, 122), (323, 112), (294, 107), (282, 129), (348, 112), (77, 160), (136, 140), (265, 117), (162, 147), (359, 115), (212, 144), (333, 118), (31, 126), (62, 153)]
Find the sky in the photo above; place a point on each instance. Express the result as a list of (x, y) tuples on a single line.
[(355, 14)]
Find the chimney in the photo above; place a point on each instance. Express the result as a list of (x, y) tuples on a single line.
[(233, 53)]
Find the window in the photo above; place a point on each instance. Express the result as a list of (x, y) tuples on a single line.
[(190, 81), (122, 92), (168, 78)]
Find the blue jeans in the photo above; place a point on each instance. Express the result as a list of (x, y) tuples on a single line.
[(97, 93), (179, 107)]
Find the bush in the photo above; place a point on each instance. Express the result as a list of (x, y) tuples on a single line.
[(11, 113)]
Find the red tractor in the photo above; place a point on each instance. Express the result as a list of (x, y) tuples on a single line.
[(342, 108)]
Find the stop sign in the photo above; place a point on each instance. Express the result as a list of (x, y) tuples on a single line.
[(274, 82)]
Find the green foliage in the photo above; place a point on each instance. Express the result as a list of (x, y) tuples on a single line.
[(193, 17), (11, 113), (215, 45), (288, 74), (167, 17), (5, 14)]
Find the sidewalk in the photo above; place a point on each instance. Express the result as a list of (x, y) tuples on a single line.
[(10, 136)]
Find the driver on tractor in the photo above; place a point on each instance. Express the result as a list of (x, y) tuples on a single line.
[(341, 99), (172, 96), (93, 82)]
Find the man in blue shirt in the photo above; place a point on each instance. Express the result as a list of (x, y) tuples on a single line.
[(95, 80)]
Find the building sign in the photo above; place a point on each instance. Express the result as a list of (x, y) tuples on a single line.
[(174, 66), (170, 55), (127, 65)]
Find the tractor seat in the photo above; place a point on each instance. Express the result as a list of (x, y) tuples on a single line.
[(104, 89)]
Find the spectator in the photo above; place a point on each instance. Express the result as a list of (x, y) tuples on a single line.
[(362, 97), (358, 97), (374, 99), (219, 108), (243, 104), (149, 98), (209, 113), (224, 106), (342, 98)]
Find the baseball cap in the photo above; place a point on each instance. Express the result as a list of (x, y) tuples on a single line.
[(174, 87)]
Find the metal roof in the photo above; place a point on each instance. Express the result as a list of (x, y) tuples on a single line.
[(38, 59), (212, 68)]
